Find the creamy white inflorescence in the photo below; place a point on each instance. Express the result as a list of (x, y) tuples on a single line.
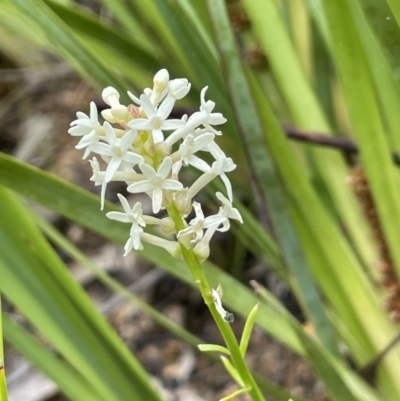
[(136, 149)]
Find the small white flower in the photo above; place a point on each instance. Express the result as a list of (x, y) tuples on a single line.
[(222, 166), (157, 182), (117, 149), (190, 146), (226, 211), (133, 216), (199, 223), (156, 119), (98, 175), (160, 87), (115, 152), (118, 111), (179, 88), (213, 118), (86, 127)]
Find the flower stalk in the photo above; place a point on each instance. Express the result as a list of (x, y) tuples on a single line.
[(224, 327)]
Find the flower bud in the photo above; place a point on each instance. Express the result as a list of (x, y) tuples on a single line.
[(161, 80)]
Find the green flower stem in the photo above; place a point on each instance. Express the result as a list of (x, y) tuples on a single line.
[(3, 383), (223, 326)]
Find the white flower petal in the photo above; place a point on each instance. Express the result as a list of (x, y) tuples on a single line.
[(157, 199), (172, 185), (158, 136), (122, 217), (112, 168), (148, 171), (147, 106), (140, 186), (165, 168), (140, 124), (124, 203), (134, 98), (110, 133)]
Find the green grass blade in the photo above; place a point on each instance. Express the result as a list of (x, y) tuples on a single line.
[(307, 114), (35, 280), (262, 165), (3, 382), (395, 7), (87, 25), (86, 63), (352, 64), (341, 383), (73, 385), (349, 291)]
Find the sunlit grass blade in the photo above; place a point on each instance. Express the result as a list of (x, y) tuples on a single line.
[(333, 263), (213, 348), (3, 382), (352, 63), (69, 381), (86, 63), (248, 328), (341, 383), (307, 114), (395, 7), (87, 25), (57, 238), (260, 160), (36, 281)]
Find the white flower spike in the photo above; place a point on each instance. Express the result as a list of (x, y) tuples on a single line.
[(135, 148)]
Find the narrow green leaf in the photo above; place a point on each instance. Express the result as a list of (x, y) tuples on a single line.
[(232, 371), (349, 291), (235, 394), (3, 382), (307, 114), (213, 348), (70, 46), (36, 281), (352, 64), (85, 24), (260, 159), (70, 382), (341, 383), (395, 7), (247, 330)]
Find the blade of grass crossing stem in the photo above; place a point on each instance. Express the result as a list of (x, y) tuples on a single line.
[(357, 81), (84, 208), (87, 64), (69, 381), (333, 262), (61, 310), (3, 382), (260, 160), (307, 114)]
